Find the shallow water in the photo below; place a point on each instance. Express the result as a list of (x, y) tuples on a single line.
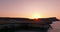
[(55, 26)]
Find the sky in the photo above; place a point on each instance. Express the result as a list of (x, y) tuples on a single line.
[(30, 8)]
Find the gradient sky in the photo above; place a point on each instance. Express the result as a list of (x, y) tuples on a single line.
[(27, 8)]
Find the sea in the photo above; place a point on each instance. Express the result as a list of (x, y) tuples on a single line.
[(55, 27)]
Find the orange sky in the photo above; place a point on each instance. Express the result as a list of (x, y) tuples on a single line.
[(29, 8)]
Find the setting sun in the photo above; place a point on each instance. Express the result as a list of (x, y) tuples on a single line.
[(36, 16)]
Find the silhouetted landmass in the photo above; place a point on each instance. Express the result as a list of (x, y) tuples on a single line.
[(4, 20), (17, 24)]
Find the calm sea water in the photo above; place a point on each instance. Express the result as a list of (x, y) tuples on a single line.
[(55, 26)]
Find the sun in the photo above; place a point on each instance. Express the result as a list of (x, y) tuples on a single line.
[(36, 16)]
